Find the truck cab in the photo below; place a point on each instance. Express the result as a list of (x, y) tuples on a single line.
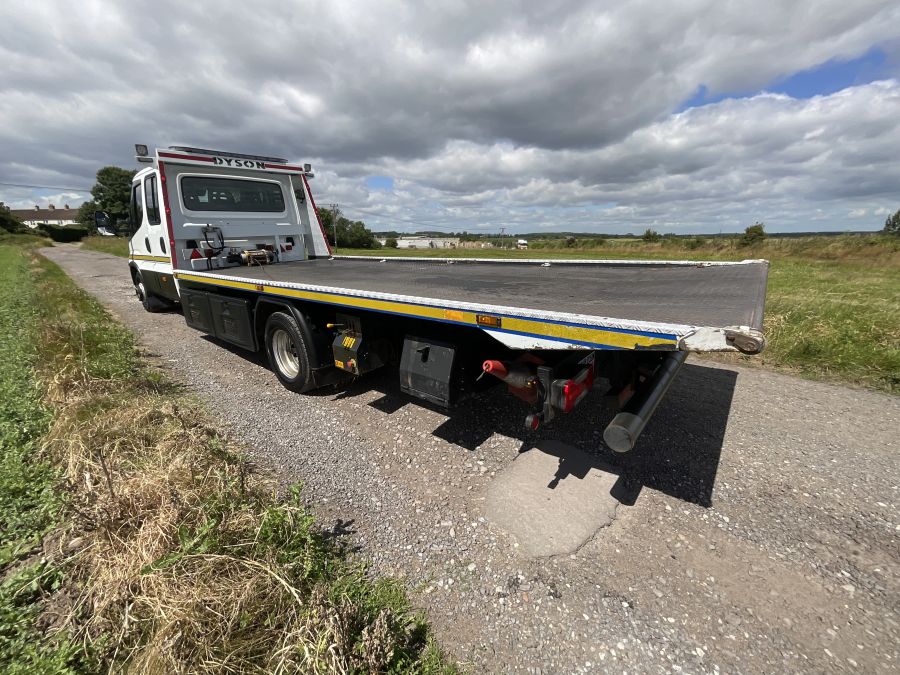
[(199, 210)]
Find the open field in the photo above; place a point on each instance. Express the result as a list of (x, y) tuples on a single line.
[(134, 534), (864, 248)]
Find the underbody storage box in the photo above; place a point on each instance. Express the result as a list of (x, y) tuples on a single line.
[(427, 370), (225, 317), (195, 305), (231, 318)]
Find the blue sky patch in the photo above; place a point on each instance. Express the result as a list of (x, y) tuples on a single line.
[(380, 183), (824, 79)]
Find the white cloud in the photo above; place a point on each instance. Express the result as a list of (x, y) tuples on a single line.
[(717, 167), (521, 114)]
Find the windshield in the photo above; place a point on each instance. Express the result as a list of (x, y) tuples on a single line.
[(208, 193)]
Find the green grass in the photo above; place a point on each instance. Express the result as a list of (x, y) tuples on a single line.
[(861, 248), (175, 531), (837, 321), (29, 503), (112, 245)]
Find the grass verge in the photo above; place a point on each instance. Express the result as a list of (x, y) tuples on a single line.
[(143, 540), (29, 503), (112, 245)]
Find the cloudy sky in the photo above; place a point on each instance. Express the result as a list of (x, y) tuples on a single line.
[(689, 116)]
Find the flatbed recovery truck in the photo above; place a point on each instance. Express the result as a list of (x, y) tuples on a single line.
[(236, 240)]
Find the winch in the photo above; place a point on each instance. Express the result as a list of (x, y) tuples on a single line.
[(257, 256)]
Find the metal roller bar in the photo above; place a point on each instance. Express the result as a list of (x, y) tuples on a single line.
[(622, 433)]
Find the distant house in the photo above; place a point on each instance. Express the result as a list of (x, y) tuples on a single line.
[(49, 216), (475, 244), (424, 242)]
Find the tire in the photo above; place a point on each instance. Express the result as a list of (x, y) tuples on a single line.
[(288, 352), (150, 302)]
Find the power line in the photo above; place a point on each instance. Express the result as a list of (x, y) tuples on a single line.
[(45, 187)]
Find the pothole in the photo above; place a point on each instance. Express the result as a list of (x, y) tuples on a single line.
[(551, 499)]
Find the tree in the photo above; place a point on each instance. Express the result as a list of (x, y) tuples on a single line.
[(112, 192), (651, 236), (8, 221), (892, 224), (85, 216), (754, 234), (350, 233), (391, 242)]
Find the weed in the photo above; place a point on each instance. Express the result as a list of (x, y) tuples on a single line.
[(22, 651)]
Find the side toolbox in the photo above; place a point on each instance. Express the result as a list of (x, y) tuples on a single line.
[(231, 318), (195, 305), (225, 317), (427, 370)]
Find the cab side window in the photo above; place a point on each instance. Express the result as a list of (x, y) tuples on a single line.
[(137, 207), (151, 200)]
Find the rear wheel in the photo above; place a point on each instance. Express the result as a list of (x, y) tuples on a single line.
[(288, 352), (151, 302)]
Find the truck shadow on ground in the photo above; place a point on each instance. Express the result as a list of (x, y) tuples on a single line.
[(678, 453)]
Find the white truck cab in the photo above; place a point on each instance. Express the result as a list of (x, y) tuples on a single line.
[(200, 210)]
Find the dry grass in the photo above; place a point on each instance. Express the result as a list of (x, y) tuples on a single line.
[(187, 563), (178, 557)]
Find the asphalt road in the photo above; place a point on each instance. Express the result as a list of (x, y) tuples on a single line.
[(754, 529)]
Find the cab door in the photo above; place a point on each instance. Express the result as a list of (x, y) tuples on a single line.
[(158, 275), (155, 229)]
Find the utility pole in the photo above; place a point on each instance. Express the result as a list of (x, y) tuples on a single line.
[(334, 217)]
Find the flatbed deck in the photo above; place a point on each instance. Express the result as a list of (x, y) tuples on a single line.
[(662, 301)]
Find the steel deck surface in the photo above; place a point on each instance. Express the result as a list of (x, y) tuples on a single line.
[(698, 295)]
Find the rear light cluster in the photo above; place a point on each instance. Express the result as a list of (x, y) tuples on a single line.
[(577, 388)]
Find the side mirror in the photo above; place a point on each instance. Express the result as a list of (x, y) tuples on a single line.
[(102, 220)]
